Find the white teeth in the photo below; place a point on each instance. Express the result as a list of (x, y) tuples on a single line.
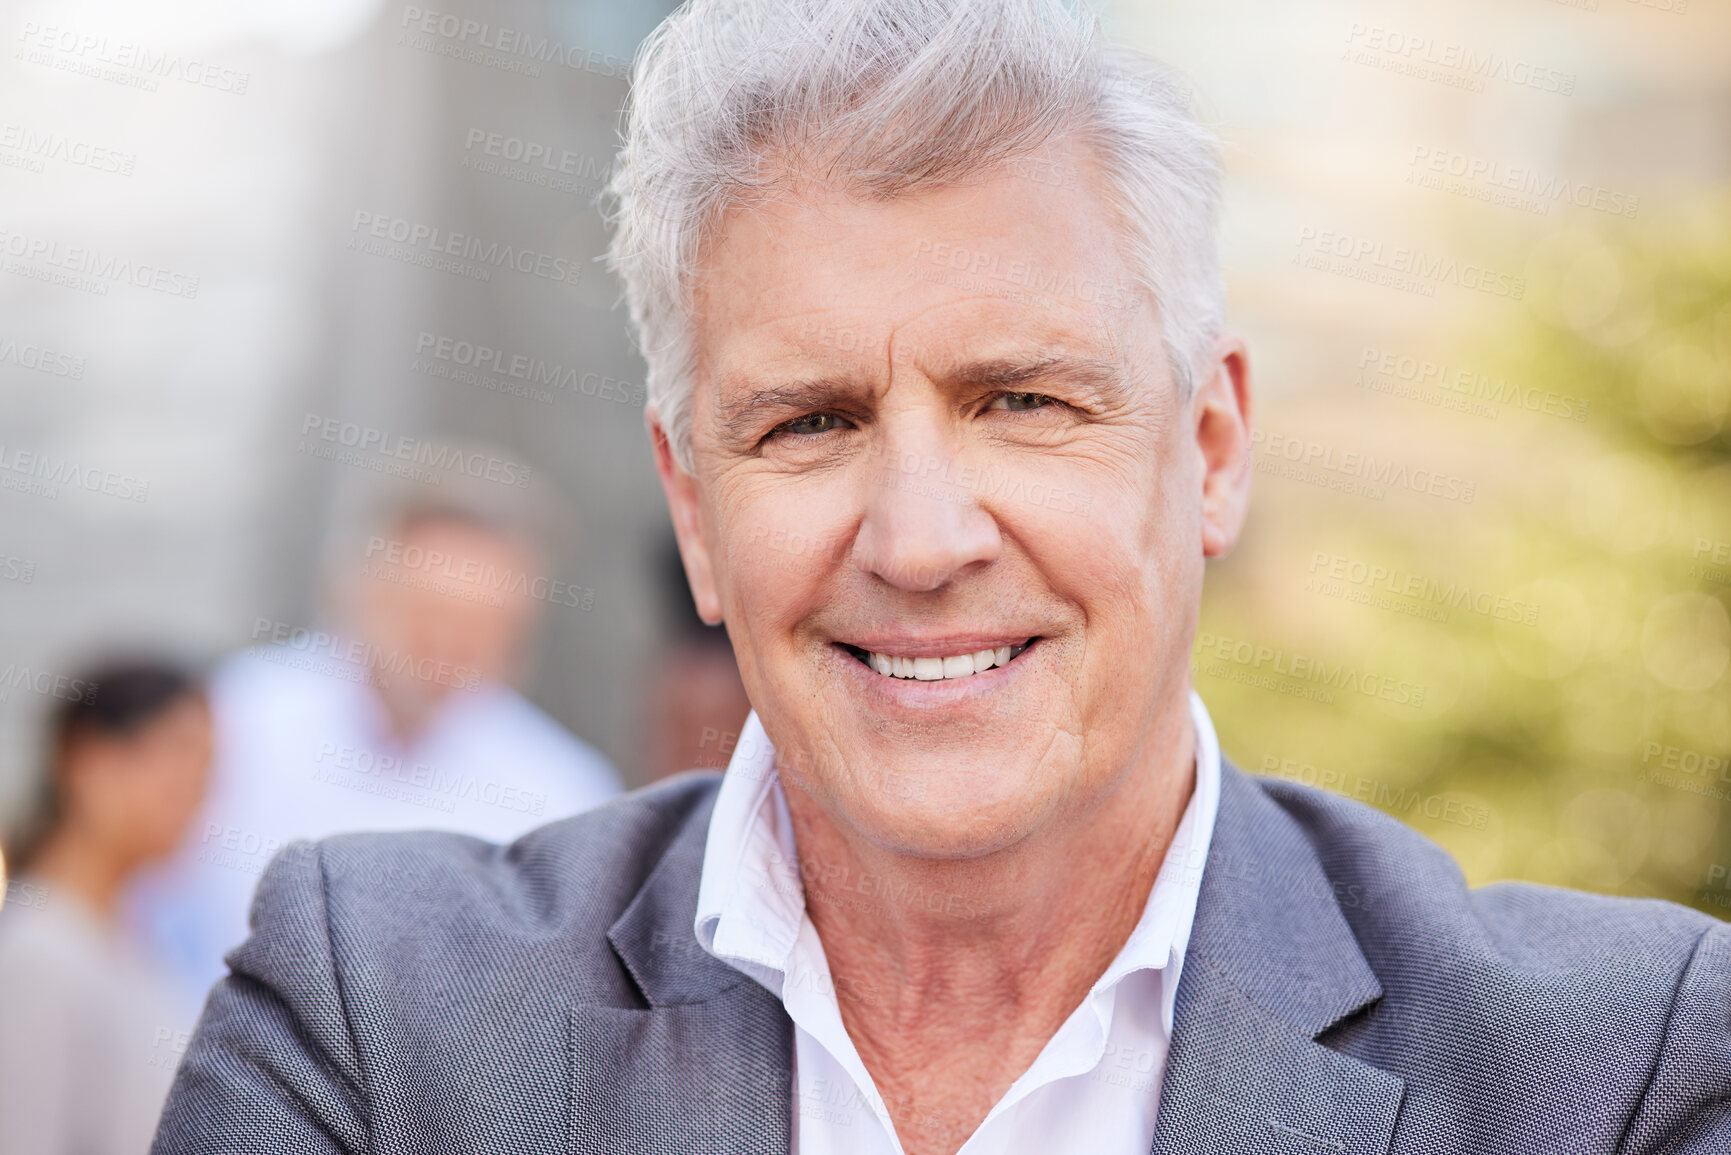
[(942, 669)]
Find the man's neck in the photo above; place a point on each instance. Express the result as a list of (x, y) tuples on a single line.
[(948, 1002), (408, 710)]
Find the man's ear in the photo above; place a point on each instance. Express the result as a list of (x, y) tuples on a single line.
[(1222, 409), (682, 502)]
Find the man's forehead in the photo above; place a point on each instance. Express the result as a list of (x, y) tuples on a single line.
[(815, 248), (983, 342)]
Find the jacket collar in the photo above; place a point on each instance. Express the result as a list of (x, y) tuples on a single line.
[(1269, 919), (653, 936), (1272, 965), (708, 1064)]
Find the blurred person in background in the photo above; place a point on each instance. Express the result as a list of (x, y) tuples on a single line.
[(404, 717), (697, 703), (89, 1027)]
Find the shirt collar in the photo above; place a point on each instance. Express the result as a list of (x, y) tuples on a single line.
[(751, 904)]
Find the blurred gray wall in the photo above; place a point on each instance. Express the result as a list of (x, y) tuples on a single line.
[(158, 488)]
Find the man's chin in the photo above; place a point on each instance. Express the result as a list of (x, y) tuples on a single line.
[(936, 812)]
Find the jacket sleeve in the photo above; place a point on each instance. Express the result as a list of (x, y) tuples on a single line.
[(1687, 1107), (272, 1068)]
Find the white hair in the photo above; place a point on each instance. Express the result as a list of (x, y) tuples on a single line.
[(732, 100)]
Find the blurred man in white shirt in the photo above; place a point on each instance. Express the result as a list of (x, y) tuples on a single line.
[(402, 718)]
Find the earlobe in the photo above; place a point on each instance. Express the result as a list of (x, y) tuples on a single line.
[(686, 509)]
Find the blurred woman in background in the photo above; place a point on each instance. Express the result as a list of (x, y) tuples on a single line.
[(89, 1034)]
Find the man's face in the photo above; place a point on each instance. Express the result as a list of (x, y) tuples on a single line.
[(942, 427), (453, 600)]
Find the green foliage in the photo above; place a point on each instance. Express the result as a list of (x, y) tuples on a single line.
[(1566, 718)]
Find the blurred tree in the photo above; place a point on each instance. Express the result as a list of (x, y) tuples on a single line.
[(1536, 675)]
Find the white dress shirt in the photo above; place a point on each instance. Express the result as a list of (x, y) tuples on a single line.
[(305, 750), (1096, 1084)]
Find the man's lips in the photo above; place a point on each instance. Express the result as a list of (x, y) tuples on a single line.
[(945, 660)]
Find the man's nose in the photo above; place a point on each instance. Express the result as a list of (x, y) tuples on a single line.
[(923, 524)]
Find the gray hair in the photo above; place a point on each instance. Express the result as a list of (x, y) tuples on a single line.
[(883, 98)]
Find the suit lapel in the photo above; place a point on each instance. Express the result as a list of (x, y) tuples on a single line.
[(713, 1076), (1272, 964), (707, 1065)]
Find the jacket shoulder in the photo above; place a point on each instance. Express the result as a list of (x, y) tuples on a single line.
[(1401, 879), (1610, 1011), (459, 909)]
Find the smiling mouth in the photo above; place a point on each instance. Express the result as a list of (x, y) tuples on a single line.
[(938, 669)]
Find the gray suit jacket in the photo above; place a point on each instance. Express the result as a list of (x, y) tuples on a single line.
[(430, 994)]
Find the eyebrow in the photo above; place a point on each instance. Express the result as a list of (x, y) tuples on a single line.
[(738, 419), (1009, 372)]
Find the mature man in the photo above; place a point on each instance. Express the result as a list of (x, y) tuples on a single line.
[(948, 425)]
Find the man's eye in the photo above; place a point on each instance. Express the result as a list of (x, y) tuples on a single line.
[(1019, 401), (811, 423)]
